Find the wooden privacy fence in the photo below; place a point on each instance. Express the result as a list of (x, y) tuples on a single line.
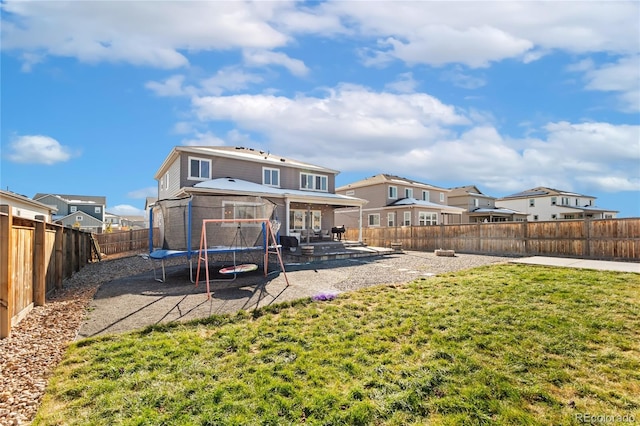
[(606, 239), (124, 241), (35, 258)]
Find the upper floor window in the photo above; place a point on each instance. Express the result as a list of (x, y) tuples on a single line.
[(425, 195), (79, 218), (97, 209), (314, 182), (442, 197), (535, 217), (532, 202), (164, 183), (476, 203), (199, 169), (73, 209), (553, 201), (393, 192), (577, 201), (270, 177), (408, 193), (565, 201)]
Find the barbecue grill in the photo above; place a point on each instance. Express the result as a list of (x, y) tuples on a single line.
[(337, 231)]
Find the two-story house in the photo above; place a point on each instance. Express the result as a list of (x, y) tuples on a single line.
[(79, 211), (22, 206), (304, 193), (397, 201), (480, 207), (544, 203)]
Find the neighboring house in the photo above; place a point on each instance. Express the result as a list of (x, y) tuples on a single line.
[(82, 221), (552, 204), (93, 206), (22, 206), (114, 222), (480, 207), (396, 201), (303, 193)]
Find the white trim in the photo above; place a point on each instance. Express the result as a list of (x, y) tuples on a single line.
[(314, 177), (373, 216), (395, 191), (270, 170)]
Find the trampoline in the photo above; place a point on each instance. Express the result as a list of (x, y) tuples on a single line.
[(209, 225)]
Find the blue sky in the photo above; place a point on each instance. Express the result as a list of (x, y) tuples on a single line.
[(506, 96)]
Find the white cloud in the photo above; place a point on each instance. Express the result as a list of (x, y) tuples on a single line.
[(171, 86), (229, 79), (261, 58), (403, 84), (462, 79), (150, 191), (126, 210), (140, 33), (38, 149), (621, 77), (348, 115), (203, 139)]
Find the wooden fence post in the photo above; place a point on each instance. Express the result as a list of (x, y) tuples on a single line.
[(525, 236), (59, 247), (39, 266), (586, 249), (6, 282)]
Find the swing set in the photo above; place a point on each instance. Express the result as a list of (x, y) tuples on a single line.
[(238, 245)]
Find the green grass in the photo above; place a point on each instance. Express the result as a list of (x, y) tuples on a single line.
[(506, 344)]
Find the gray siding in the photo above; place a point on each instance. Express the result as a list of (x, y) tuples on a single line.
[(247, 170), (51, 200)]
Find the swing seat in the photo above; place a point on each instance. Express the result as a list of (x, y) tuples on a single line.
[(237, 269)]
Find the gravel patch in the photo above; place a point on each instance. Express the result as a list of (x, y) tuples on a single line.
[(38, 342)]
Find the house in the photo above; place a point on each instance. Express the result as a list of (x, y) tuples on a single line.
[(480, 207), (396, 201), (544, 203), (23, 206), (82, 221), (114, 222), (91, 207), (304, 193)]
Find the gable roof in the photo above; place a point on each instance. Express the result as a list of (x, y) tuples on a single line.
[(74, 199), (85, 218), (24, 199), (384, 178), (240, 153), (543, 191), (467, 190), (429, 204)]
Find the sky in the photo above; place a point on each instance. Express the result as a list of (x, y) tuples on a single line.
[(503, 95)]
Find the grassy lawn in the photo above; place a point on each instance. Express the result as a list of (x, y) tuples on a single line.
[(505, 344)]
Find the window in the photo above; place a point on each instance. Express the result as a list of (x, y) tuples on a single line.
[(393, 192), (270, 177), (350, 192), (568, 216), (391, 219), (374, 219), (199, 169), (427, 218), (73, 209), (442, 197), (577, 201), (79, 218), (298, 220), (407, 219), (565, 201), (164, 183), (535, 217), (97, 209), (553, 201), (554, 216), (313, 182), (425, 195), (408, 193), (475, 202), (532, 202), (234, 210)]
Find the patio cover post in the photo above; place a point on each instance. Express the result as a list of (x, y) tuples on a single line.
[(360, 225)]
